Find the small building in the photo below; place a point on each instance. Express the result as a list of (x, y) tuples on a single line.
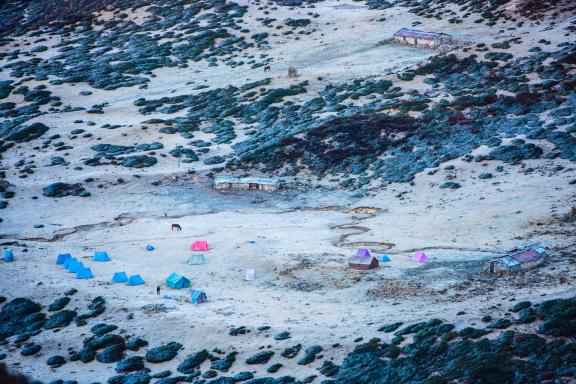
[(419, 38), (363, 260), (247, 183), (528, 257)]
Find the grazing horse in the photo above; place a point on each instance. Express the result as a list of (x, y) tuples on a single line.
[(176, 227), (292, 72), (267, 68)]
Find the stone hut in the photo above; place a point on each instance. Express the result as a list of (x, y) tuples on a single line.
[(419, 38), (247, 183), (528, 257)]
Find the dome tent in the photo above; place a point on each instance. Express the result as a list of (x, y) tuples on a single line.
[(135, 280), (120, 277), (176, 281), (101, 256)]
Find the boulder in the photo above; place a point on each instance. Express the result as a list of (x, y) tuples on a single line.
[(21, 134), (59, 319), (260, 358), (139, 161), (164, 353), (193, 361), (130, 364), (62, 189)]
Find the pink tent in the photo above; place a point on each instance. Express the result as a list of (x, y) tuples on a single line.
[(420, 257), (363, 252), (199, 245)]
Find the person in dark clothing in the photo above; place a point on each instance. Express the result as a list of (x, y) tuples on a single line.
[(158, 290)]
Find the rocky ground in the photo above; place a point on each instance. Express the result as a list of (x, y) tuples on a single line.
[(116, 115)]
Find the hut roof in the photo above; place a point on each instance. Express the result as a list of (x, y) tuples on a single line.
[(529, 253), (245, 180), (406, 32)]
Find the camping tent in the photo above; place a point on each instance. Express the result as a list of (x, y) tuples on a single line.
[(420, 257), (249, 275), (177, 281), (384, 258), (196, 296), (84, 273), (120, 277), (101, 256), (75, 266), (8, 256), (149, 247), (135, 280), (199, 245), (197, 259), (62, 258), (69, 261), (363, 260)]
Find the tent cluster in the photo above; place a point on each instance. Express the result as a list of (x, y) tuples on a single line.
[(122, 277), (72, 265), (363, 260)]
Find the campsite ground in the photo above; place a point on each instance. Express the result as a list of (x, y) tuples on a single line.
[(298, 240)]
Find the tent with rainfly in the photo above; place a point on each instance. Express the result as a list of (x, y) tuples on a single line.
[(420, 257), (84, 273), (176, 281), (120, 277), (197, 259), (8, 256), (75, 266), (101, 256), (135, 280), (196, 296), (363, 260), (62, 258), (200, 245)]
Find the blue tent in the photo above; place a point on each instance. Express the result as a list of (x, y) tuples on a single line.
[(101, 256), (120, 277), (196, 296), (149, 247), (84, 273), (176, 281), (384, 258), (8, 256), (135, 280), (75, 266), (62, 258), (69, 261)]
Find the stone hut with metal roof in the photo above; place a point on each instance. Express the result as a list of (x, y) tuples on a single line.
[(528, 257), (247, 183), (419, 38)]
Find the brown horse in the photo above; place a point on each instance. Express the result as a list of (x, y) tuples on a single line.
[(292, 72), (267, 68), (176, 227)]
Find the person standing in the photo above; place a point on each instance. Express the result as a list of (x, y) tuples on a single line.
[(158, 290)]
